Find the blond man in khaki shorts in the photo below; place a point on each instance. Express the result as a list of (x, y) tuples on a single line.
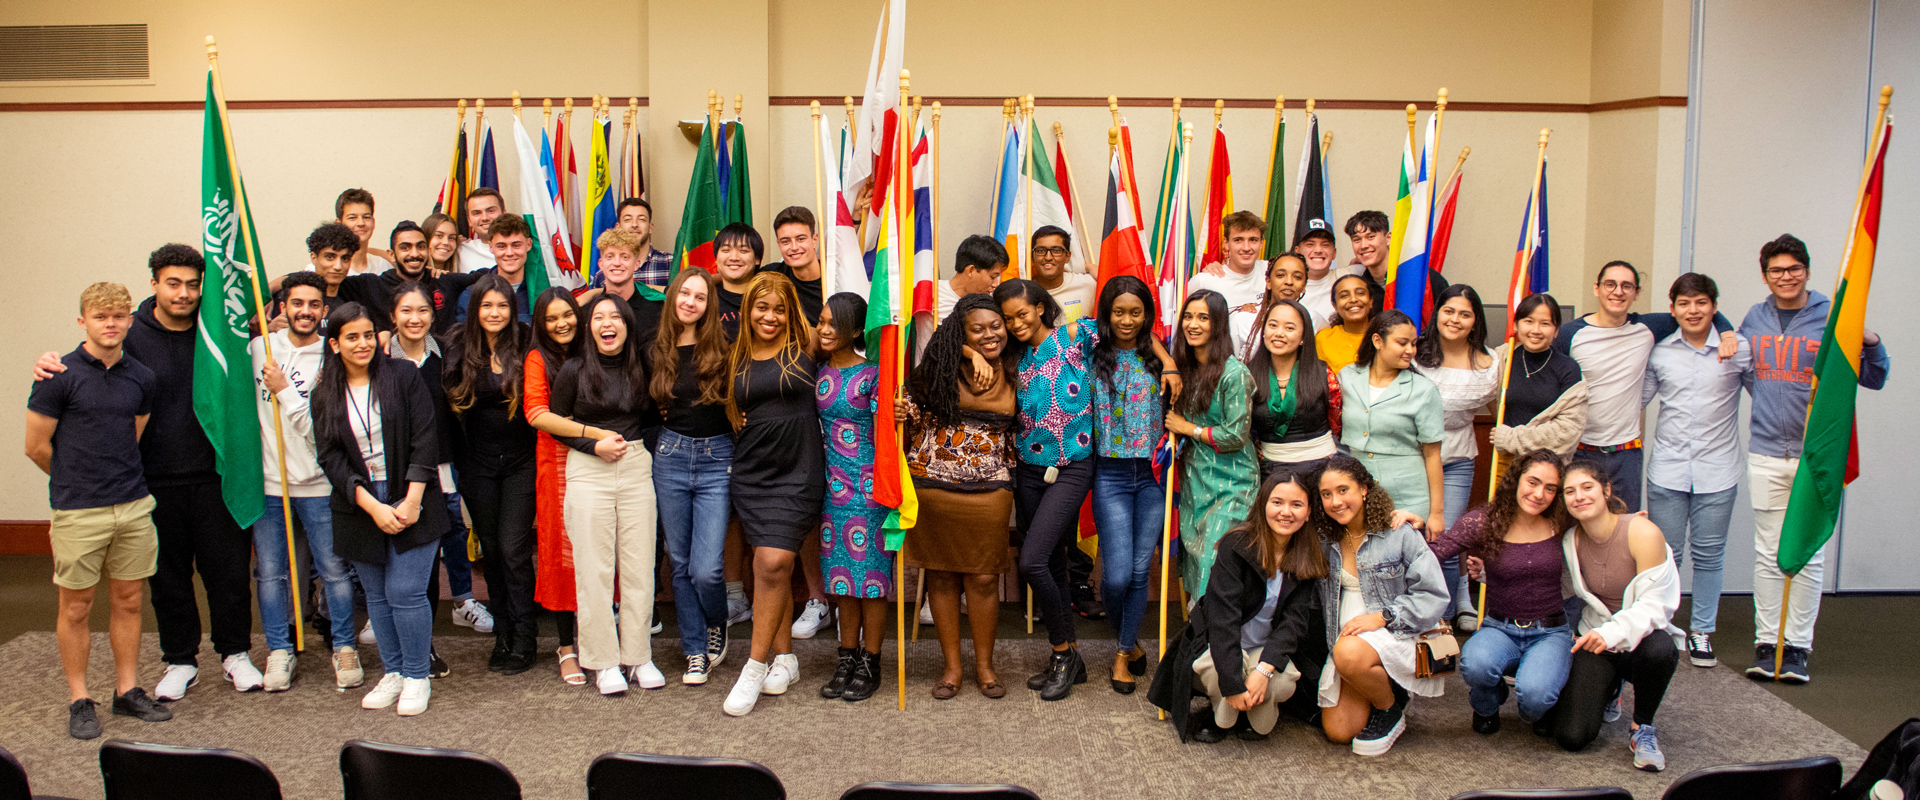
[(83, 430)]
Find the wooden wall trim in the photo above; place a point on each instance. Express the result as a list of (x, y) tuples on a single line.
[(502, 104), (24, 537)]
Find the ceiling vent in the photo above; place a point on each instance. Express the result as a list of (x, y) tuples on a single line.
[(73, 52)]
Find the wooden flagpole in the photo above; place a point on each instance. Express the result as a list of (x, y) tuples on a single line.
[(479, 126), (999, 153), (453, 169), (822, 222), (901, 181), (1080, 215), (1457, 164), (266, 341), (1513, 342), (516, 105), (1025, 239), (1208, 214), (1173, 464), (936, 199)]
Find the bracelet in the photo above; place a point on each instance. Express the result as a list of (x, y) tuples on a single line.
[(1169, 372), (1265, 669)]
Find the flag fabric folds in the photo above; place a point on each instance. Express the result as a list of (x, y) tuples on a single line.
[(844, 269), (1406, 287), (633, 180), (926, 263), (1444, 211), (223, 391), (566, 249), (566, 175), (1310, 190), (880, 103), (453, 193), (736, 185), (555, 267), (1120, 251), (600, 212), (889, 306), (1530, 255), (1049, 205), (1006, 192), (700, 217), (1219, 198), (1830, 456), (1172, 238), (1276, 211), (489, 172)]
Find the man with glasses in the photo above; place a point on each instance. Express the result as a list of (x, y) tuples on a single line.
[(1785, 330), (1072, 290), (1612, 345)]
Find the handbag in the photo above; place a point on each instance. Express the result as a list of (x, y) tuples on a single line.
[(1436, 652)]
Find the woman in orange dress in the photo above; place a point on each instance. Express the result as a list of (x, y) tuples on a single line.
[(555, 337)]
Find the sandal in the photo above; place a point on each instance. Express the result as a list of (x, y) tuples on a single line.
[(945, 691), (577, 677), (993, 690)]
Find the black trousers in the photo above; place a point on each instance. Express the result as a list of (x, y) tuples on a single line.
[(1593, 677), (1048, 514), (501, 504), (197, 533)]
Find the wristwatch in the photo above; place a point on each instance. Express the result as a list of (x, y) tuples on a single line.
[(1265, 669), (1386, 615)]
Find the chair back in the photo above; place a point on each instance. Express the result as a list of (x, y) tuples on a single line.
[(140, 771), (1813, 778), (900, 790), (644, 776), (1588, 793), (13, 778), (378, 771)]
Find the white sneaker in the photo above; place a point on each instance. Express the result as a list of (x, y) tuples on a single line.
[(926, 613), (175, 683), (384, 693), (468, 614), (739, 609), (812, 619), (785, 670), (414, 693), (279, 674), (346, 669), (366, 634), (240, 669), (746, 690), (611, 683), (646, 676)]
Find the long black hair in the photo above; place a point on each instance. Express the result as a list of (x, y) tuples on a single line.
[(935, 384), (1106, 353), (595, 387), (1426, 348), (554, 354), (1383, 322), (1310, 390), (849, 320), (1036, 296), (461, 376), (1202, 378), (329, 395)]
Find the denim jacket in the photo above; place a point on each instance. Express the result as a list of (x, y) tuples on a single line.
[(1396, 570)]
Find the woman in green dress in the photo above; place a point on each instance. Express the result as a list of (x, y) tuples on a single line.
[(1392, 420), (1219, 473)]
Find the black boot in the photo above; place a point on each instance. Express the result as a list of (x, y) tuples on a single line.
[(841, 672), (502, 650), (865, 680), (521, 655), (1065, 670)]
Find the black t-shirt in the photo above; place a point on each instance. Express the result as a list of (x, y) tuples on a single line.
[(690, 419), (1537, 380), (96, 455), (497, 440), (811, 300), (625, 409), (729, 312)]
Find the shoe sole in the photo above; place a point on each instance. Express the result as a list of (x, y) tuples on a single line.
[(1647, 766), (261, 686), (183, 691), (1380, 746), (410, 713), (386, 704), (1760, 673), (691, 680), (1703, 663), (1794, 678)]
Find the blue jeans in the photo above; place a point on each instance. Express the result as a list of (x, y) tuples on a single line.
[(690, 479), (1627, 467), (1697, 523), (453, 551), (1128, 509), (1456, 480), (397, 604), (270, 576), (1538, 657)]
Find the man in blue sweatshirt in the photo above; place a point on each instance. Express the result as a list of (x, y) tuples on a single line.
[(1785, 331)]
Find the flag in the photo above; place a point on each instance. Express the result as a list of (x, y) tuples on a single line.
[(555, 267), (566, 250), (880, 103), (223, 393), (1048, 206), (1830, 456), (1133, 190), (1530, 255), (633, 176), (1173, 241), (724, 152), (1276, 195), (600, 212), (453, 192), (1310, 192), (489, 176), (736, 186), (1407, 288), (1443, 223), (1219, 198), (889, 306), (845, 270), (926, 263), (700, 217), (1060, 171), (1120, 252), (567, 178), (1006, 192)]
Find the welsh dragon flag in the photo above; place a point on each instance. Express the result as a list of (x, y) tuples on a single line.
[(222, 369), (548, 263)]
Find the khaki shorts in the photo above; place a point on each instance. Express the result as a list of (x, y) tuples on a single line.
[(119, 539)]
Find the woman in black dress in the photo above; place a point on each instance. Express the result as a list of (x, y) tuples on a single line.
[(779, 471)]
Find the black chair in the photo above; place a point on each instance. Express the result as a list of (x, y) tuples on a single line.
[(377, 771), (643, 776), (13, 780), (900, 790), (141, 771), (1813, 778), (1589, 793)]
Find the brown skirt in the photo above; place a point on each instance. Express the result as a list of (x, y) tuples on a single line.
[(961, 532)]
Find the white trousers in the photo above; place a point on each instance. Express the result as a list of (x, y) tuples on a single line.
[(610, 516), (1261, 717), (1770, 481)]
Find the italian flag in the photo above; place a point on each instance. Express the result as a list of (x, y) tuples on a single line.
[(1830, 458)]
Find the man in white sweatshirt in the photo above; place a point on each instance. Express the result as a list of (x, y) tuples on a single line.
[(289, 376)]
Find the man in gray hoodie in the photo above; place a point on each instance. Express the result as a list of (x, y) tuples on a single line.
[(1785, 331)]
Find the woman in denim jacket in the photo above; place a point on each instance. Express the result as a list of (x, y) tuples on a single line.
[(1387, 589)]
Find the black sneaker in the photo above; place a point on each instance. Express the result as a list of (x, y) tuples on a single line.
[(1384, 726), (136, 703), (1086, 602), (1205, 731), (82, 721), (842, 672), (1700, 651), (502, 652), (1762, 668), (437, 666), (716, 646), (1793, 666), (1486, 726)]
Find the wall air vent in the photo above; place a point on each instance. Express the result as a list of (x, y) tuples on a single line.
[(73, 53)]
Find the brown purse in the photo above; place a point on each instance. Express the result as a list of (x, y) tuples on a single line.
[(1436, 652)]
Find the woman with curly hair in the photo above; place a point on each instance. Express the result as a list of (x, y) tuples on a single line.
[(1386, 590), (1515, 540), (961, 452)]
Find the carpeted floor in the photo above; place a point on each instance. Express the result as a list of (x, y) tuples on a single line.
[(1096, 744)]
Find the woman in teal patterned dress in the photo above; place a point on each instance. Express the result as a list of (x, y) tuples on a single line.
[(1214, 412), (857, 567)]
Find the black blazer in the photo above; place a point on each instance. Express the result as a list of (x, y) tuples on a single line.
[(1235, 591), (409, 439)]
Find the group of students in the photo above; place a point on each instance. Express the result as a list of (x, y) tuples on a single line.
[(730, 416)]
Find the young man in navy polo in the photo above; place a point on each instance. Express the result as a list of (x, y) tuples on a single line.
[(83, 430)]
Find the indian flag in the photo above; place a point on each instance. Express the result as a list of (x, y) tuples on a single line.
[(1830, 458)]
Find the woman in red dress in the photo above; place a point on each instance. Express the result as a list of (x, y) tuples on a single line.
[(555, 326)]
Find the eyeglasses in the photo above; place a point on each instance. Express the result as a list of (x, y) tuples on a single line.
[(1794, 271), (1053, 252), (1619, 286)]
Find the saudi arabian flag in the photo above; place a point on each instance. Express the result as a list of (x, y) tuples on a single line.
[(222, 369)]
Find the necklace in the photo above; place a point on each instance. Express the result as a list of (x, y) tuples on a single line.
[(1532, 370)]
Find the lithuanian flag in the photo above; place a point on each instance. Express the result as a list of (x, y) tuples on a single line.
[(1830, 458)]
